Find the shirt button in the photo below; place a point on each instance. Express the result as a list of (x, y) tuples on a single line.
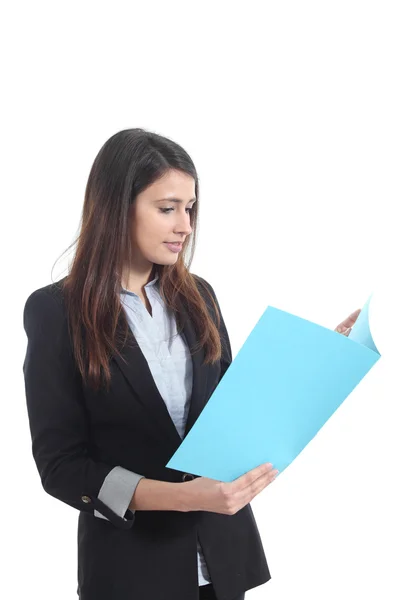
[(187, 476), (86, 499)]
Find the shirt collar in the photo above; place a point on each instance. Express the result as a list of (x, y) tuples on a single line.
[(148, 285)]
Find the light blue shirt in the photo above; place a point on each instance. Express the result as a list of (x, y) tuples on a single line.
[(170, 363)]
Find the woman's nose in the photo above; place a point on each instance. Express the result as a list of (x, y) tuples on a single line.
[(184, 226)]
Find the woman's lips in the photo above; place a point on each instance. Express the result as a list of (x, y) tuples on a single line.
[(174, 247)]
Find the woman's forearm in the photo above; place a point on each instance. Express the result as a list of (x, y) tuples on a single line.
[(151, 494)]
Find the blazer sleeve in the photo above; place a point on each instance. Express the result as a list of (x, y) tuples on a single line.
[(226, 352), (57, 419)]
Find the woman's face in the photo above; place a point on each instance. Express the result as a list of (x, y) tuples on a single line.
[(157, 219)]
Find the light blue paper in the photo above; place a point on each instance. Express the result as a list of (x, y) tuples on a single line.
[(360, 331), (286, 381)]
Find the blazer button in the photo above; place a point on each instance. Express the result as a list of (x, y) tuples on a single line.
[(86, 499), (187, 476)]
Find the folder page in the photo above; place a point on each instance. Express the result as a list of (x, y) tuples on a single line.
[(287, 380)]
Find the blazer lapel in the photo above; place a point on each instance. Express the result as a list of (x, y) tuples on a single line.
[(137, 372)]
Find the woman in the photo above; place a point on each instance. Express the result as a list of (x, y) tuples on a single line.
[(123, 355)]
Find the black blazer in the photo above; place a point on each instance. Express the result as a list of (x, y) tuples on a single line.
[(78, 436)]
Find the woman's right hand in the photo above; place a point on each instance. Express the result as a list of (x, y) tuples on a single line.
[(224, 498)]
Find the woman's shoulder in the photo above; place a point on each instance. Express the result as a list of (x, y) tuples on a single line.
[(47, 299), (204, 283), (207, 291)]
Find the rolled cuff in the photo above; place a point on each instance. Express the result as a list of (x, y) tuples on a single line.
[(117, 490)]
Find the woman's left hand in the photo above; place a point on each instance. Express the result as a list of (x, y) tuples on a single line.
[(345, 326)]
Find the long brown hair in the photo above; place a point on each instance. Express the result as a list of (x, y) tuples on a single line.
[(127, 163)]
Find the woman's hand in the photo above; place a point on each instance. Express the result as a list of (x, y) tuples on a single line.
[(345, 326), (210, 495)]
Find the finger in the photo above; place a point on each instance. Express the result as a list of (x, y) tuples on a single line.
[(351, 319), (250, 476), (341, 328), (349, 322), (270, 478), (345, 331), (247, 494)]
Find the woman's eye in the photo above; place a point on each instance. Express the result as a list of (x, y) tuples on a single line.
[(167, 210)]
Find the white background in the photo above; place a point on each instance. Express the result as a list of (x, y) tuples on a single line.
[(290, 111)]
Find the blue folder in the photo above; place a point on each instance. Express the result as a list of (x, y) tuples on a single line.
[(286, 381)]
